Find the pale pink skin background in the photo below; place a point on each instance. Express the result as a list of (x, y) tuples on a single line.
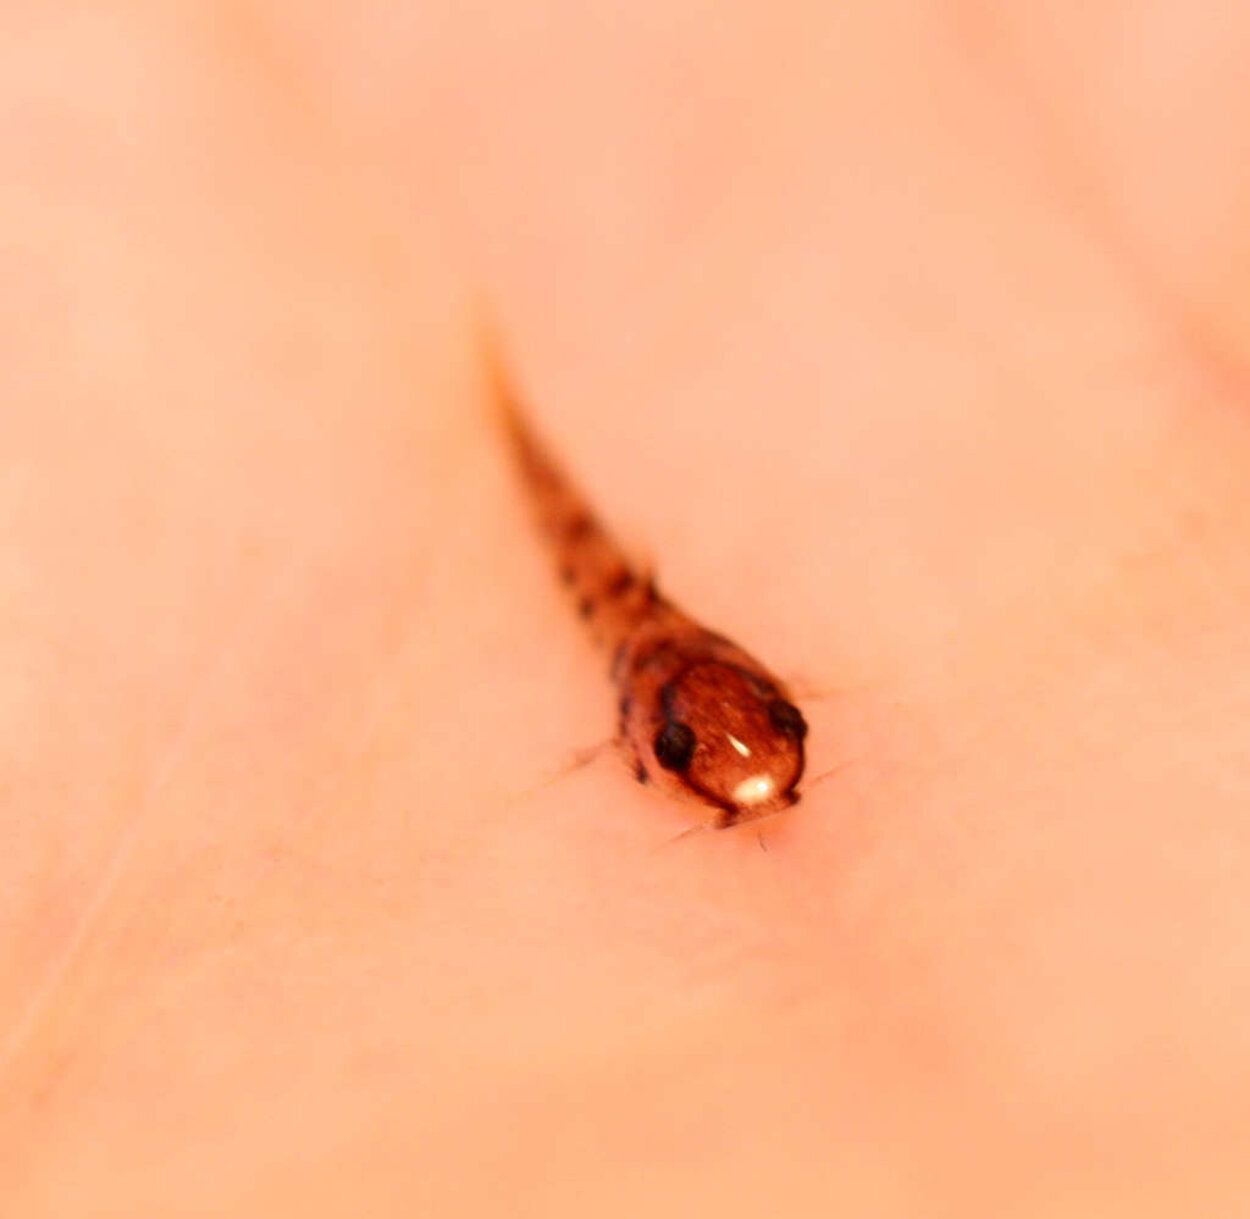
[(908, 340)]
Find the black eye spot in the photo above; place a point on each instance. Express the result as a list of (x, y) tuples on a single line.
[(787, 719), (674, 745)]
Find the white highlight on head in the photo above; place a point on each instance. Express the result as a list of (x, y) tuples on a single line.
[(754, 790), (738, 745)]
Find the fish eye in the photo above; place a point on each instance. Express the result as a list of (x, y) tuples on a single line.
[(674, 745), (787, 719)]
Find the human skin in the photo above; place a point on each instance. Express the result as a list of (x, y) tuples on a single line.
[(907, 342)]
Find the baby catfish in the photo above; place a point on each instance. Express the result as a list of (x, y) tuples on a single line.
[(698, 716)]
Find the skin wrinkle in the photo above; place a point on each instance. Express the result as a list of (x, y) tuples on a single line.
[(1089, 195), (25, 1028)]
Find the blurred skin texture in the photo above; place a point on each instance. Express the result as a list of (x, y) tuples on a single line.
[(908, 341)]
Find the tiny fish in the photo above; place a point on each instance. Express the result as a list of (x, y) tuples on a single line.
[(697, 715)]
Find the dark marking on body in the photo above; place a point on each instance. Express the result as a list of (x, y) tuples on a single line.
[(620, 583)]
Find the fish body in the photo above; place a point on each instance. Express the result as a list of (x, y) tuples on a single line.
[(698, 716)]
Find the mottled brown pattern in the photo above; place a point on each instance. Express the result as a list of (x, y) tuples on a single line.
[(671, 673)]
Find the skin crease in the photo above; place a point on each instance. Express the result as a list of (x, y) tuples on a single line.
[(909, 340)]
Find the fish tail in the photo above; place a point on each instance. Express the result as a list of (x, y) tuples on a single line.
[(608, 591)]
